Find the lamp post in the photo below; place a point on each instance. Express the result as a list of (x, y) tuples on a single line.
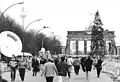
[(27, 27), (42, 42), (31, 23), (38, 32), (9, 8)]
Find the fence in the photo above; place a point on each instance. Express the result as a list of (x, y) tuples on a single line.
[(112, 68)]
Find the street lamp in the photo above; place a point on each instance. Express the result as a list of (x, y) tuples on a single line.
[(40, 30), (27, 27), (43, 37), (31, 23), (9, 8)]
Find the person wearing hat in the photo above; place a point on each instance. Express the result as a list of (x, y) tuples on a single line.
[(49, 70)]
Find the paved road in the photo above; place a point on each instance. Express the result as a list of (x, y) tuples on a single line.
[(74, 78)]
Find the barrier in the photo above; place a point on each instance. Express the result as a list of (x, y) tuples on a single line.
[(4, 67), (111, 68)]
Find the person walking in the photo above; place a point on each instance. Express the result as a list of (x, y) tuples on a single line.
[(43, 60), (56, 60), (76, 65), (83, 59), (70, 63), (1, 79), (99, 66), (13, 64), (62, 69), (22, 68), (49, 71), (35, 65), (88, 65)]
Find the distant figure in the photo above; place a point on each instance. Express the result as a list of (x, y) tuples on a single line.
[(70, 63), (49, 70), (13, 64), (76, 65), (99, 66), (35, 65), (88, 65), (83, 59), (43, 60), (56, 60), (1, 79), (62, 68), (22, 68)]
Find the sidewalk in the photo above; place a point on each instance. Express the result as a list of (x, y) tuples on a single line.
[(92, 77), (74, 78)]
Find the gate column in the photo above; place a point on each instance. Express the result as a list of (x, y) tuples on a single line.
[(77, 43), (85, 47), (68, 47)]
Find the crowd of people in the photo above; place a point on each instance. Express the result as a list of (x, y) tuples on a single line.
[(60, 66)]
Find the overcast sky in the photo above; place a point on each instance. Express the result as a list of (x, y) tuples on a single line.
[(65, 15)]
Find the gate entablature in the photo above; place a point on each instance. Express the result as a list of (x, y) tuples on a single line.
[(81, 36)]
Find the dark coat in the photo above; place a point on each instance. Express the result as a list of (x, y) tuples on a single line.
[(35, 65), (43, 61), (99, 64), (62, 68), (88, 64), (56, 60), (83, 63)]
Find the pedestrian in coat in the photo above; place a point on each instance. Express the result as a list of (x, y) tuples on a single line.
[(88, 65), (83, 59), (99, 66), (56, 60), (62, 68), (49, 70), (22, 68), (70, 63), (13, 64), (35, 66), (76, 65)]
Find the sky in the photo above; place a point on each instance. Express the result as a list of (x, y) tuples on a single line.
[(65, 15)]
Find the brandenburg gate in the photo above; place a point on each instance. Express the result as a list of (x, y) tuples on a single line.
[(85, 36)]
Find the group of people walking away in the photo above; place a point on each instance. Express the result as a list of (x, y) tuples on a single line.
[(87, 64), (21, 66), (63, 67), (60, 66)]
